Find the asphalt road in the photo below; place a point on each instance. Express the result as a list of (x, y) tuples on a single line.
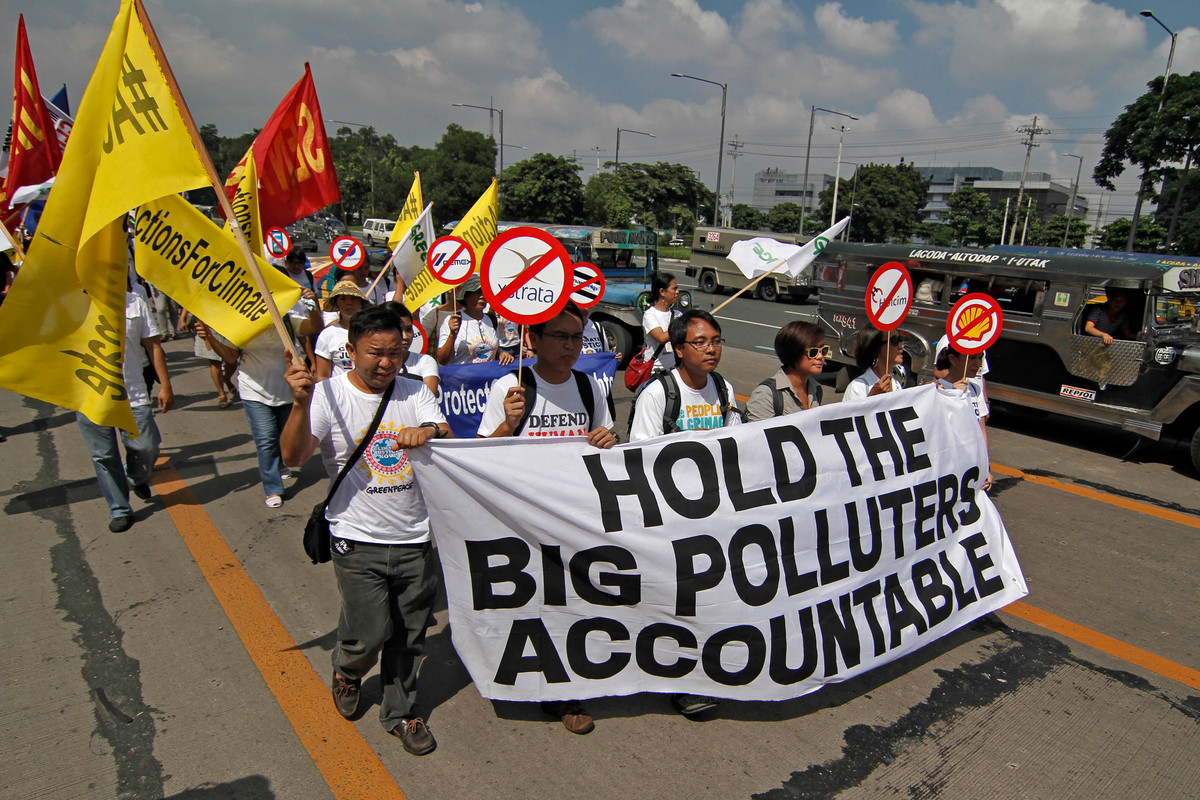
[(189, 656)]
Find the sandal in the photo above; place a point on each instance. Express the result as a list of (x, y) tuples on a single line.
[(222, 402)]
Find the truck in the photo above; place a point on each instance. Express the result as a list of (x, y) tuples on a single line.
[(1043, 360), (714, 272)]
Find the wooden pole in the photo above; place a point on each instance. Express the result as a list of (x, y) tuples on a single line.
[(748, 286), (16, 246), (238, 234)]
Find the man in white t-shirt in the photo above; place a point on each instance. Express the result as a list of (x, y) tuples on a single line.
[(378, 521), (566, 403), (141, 451)]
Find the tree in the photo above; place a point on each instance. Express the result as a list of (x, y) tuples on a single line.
[(1115, 236), (1149, 137), (1185, 188), (889, 200), (658, 195), (969, 210), (456, 172), (748, 217), (937, 233), (784, 218), (1052, 230), (542, 188)]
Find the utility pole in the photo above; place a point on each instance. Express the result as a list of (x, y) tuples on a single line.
[(1031, 131), (734, 147), (598, 150)]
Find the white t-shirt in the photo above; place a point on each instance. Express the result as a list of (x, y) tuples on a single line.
[(476, 340), (593, 338), (261, 365), (421, 366), (976, 394), (508, 333), (331, 345), (944, 342), (558, 409), (139, 324), (651, 319), (861, 386), (698, 410), (379, 500)]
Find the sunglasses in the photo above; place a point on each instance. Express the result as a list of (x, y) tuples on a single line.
[(824, 352), (895, 339)]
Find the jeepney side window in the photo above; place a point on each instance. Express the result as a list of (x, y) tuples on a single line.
[(1015, 295), (929, 287)]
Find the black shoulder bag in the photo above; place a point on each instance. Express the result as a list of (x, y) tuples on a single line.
[(316, 531)]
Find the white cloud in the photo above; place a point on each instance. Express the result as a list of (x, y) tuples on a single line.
[(855, 35), (660, 31), (1072, 98)]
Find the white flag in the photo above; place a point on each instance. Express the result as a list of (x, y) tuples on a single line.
[(756, 257), (409, 255)]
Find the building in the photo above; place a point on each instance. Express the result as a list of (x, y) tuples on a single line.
[(1044, 196), (773, 186)]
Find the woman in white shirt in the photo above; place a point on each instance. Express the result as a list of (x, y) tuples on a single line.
[(878, 362), (347, 299), (656, 321)]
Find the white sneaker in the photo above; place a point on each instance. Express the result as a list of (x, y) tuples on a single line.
[(274, 501), (288, 475)]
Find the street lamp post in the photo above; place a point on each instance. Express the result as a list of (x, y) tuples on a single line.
[(812, 118), (837, 174), (491, 110), (617, 155), (1162, 96), (1074, 190), (720, 141)]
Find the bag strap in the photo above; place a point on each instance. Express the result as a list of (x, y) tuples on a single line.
[(362, 445), (671, 402), (582, 383)]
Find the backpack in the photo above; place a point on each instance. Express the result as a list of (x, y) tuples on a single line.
[(582, 382), (776, 396), (673, 402)]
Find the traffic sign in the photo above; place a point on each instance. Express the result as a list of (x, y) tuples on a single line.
[(347, 252), (451, 260), (889, 296), (420, 342), (974, 323), (587, 285), (525, 274), (278, 242)]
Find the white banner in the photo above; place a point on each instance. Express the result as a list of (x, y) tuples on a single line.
[(757, 562), (409, 255), (756, 257)]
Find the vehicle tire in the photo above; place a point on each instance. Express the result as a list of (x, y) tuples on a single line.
[(619, 340), (642, 302), (801, 297), (1196, 450), (767, 290), (708, 281), (370, 241), (684, 301)]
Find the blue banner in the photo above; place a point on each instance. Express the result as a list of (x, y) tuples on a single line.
[(463, 390)]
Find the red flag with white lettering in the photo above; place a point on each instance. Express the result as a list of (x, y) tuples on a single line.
[(35, 151), (293, 159)]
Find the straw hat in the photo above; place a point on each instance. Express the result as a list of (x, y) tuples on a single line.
[(344, 288)]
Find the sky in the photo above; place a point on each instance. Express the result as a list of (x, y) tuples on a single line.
[(936, 83)]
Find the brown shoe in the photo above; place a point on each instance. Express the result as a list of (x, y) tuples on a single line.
[(415, 735), (574, 716), (345, 694)]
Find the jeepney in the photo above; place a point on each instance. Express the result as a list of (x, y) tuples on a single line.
[(714, 272), (1042, 360)]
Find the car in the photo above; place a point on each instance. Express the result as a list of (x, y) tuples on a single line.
[(377, 231), (676, 242)]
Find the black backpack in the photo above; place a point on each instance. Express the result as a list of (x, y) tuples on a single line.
[(777, 395), (673, 403), (529, 384)]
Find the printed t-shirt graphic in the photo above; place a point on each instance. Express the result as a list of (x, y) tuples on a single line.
[(476, 340), (331, 344), (557, 411)]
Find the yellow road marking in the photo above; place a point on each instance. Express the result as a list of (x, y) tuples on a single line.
[(348, 764)]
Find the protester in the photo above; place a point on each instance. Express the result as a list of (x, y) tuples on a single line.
[(469, 336), (220, 372), (361, 277), (802, 352), (295, 264), (380, 527), (564, 402), (693, 396), (942, 344), (594, 340), (141, 450), (416, 365), (346, 299), (963, 372), (1110, 318), (656, 320), (266, 396), (877, 362)]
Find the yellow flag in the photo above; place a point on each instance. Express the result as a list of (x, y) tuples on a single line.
[(200, 266), (478, 228), (245, 210), (408, 215), (62, 326)]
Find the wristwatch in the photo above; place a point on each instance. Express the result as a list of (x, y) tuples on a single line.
[(438, 433)]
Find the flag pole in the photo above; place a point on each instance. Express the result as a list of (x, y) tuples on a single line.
[(13, 241), (218, 187)]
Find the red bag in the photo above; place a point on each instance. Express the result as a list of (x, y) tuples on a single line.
[(640, 367)]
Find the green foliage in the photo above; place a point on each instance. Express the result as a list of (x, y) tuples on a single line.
[(456, 171), (658, 196), (936, 233), (784, 218), (1051, 231), (747, 217), (1115, 235), (969, 212), (542, 188), (889, 199), (1187, 229), (1149, 138)]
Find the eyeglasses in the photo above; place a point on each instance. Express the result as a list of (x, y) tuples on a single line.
[(895, 339), (704, 344), (824, 352), (563, 338)]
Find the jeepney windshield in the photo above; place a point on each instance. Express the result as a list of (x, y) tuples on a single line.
[(1173, 308)]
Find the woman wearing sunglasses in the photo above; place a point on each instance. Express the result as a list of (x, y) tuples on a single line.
[(802, 352), (878, 361)]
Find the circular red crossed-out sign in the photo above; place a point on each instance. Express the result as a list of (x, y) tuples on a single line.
[(451, 260), (587, 285), (347, 252), (525, 274), (278, 242), (889, 296), (974, 323), (420, 342)]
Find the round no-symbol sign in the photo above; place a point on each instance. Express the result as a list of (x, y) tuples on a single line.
[(525, 273), (889, 296)]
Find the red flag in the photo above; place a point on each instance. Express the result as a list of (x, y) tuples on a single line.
[(293, 159), (35, 151)]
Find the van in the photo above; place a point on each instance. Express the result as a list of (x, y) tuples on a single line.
[(1043, 360), (714, 272), (377, 231)]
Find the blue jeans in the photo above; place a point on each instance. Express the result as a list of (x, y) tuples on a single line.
[(140, 454), (266, 424)]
